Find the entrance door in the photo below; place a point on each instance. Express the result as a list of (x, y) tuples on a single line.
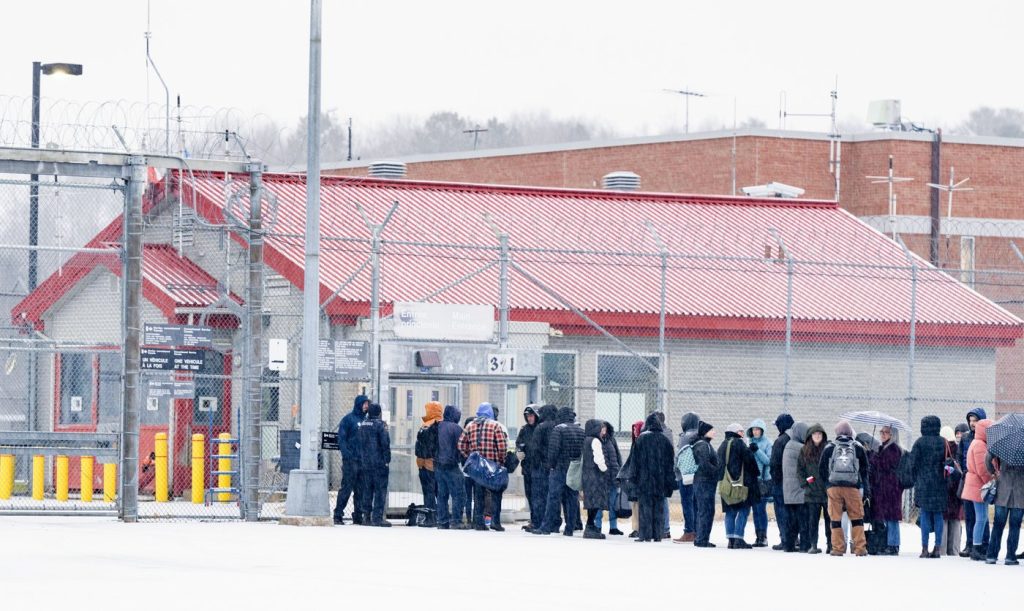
[(405, 411)]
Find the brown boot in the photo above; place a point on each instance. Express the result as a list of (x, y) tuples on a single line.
[(838, 539), (860, 542), (685, 538)]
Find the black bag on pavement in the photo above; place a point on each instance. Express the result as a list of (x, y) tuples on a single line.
[(877, 538)]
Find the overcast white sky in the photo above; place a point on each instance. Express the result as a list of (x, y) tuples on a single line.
[(607, 61)]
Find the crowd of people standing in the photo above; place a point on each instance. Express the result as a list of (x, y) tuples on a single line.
[(851, 484)]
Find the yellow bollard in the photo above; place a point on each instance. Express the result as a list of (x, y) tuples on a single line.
[(85, 465), (38, 477), (160, 449), (197, 468), (6, 476), (224, 464), (62, 478), (109, 482)]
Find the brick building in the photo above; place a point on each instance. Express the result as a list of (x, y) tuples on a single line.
[(974, 243)]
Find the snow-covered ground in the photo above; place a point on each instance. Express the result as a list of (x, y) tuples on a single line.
[(98, 563)]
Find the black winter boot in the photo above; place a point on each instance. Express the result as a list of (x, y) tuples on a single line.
[(761, 539), (740, 544), (732, 543), (978, 553)]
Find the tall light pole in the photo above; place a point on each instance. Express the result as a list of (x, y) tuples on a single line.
[(307, 500), (686, 93), (39, 69)]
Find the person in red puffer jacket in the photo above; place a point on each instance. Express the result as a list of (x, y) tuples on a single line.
[(976, 477)]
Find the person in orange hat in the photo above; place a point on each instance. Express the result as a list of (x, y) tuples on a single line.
[(426, 449)]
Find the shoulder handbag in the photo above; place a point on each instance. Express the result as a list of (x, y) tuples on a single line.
[(623, 508), (482, 471), (732, 491), (574, 475), (990, 490)]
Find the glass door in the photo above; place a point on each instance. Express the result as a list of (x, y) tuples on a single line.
[(404, 416)]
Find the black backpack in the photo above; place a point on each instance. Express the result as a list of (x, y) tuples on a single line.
[(905, 470), (426, 442)]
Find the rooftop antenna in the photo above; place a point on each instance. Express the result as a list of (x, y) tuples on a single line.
[(834, 143), (476, 131), (167, 92), (350, 139), (891, 180), (687, 94), (951, 188)]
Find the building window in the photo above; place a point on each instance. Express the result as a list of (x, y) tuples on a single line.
[(967, 260), (627, 389), (559, 383)]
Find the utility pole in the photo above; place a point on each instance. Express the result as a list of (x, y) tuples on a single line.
[(476, 131), (891, 180), (687, 94), (307, 501), (349, 139)]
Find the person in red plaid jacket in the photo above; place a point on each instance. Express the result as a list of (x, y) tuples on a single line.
[(486, 437)]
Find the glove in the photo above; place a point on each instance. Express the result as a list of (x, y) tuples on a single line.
[(753, 447)]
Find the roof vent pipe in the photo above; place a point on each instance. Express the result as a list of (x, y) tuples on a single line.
[(387, 169), (621, 181)]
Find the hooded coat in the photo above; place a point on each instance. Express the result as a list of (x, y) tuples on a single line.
[(887, 503), (708, 466), (525, 435), (537, 447), (347, 442), (763, 455), (448, 434), (809, 466), (783, 424), (687, 435), (426, 437), (977, 474), (927, 458), (653, 460), (792, 490), (741, 463), (600, 466), (968, 437), (565, 442), (374, 441)]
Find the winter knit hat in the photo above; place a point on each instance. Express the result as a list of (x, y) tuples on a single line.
[(961, 428), (703, 429), (735, 427), (843, 428), (947, 433)]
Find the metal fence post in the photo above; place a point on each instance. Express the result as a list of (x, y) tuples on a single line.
[(251, 437), (503, 292), (135, 174), (784, 254), (375, 311)]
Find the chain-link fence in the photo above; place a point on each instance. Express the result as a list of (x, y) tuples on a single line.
[(616, 305)]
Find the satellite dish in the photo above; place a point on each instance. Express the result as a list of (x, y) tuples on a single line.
[(12, 360)]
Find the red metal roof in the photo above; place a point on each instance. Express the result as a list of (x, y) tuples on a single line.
[(719, 279), (168, 281)]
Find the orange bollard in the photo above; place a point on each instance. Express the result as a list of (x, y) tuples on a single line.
[(62, 478), (38, 477), (224, 464), (109, 482), (85, 465), (197, 468), (160, 450), (6, 476)]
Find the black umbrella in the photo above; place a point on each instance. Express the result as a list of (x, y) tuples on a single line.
[(1006, 440)]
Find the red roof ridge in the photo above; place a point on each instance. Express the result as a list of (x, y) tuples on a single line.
[(605, 194)]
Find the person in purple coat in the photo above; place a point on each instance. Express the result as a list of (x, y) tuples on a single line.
[(887, 501)]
